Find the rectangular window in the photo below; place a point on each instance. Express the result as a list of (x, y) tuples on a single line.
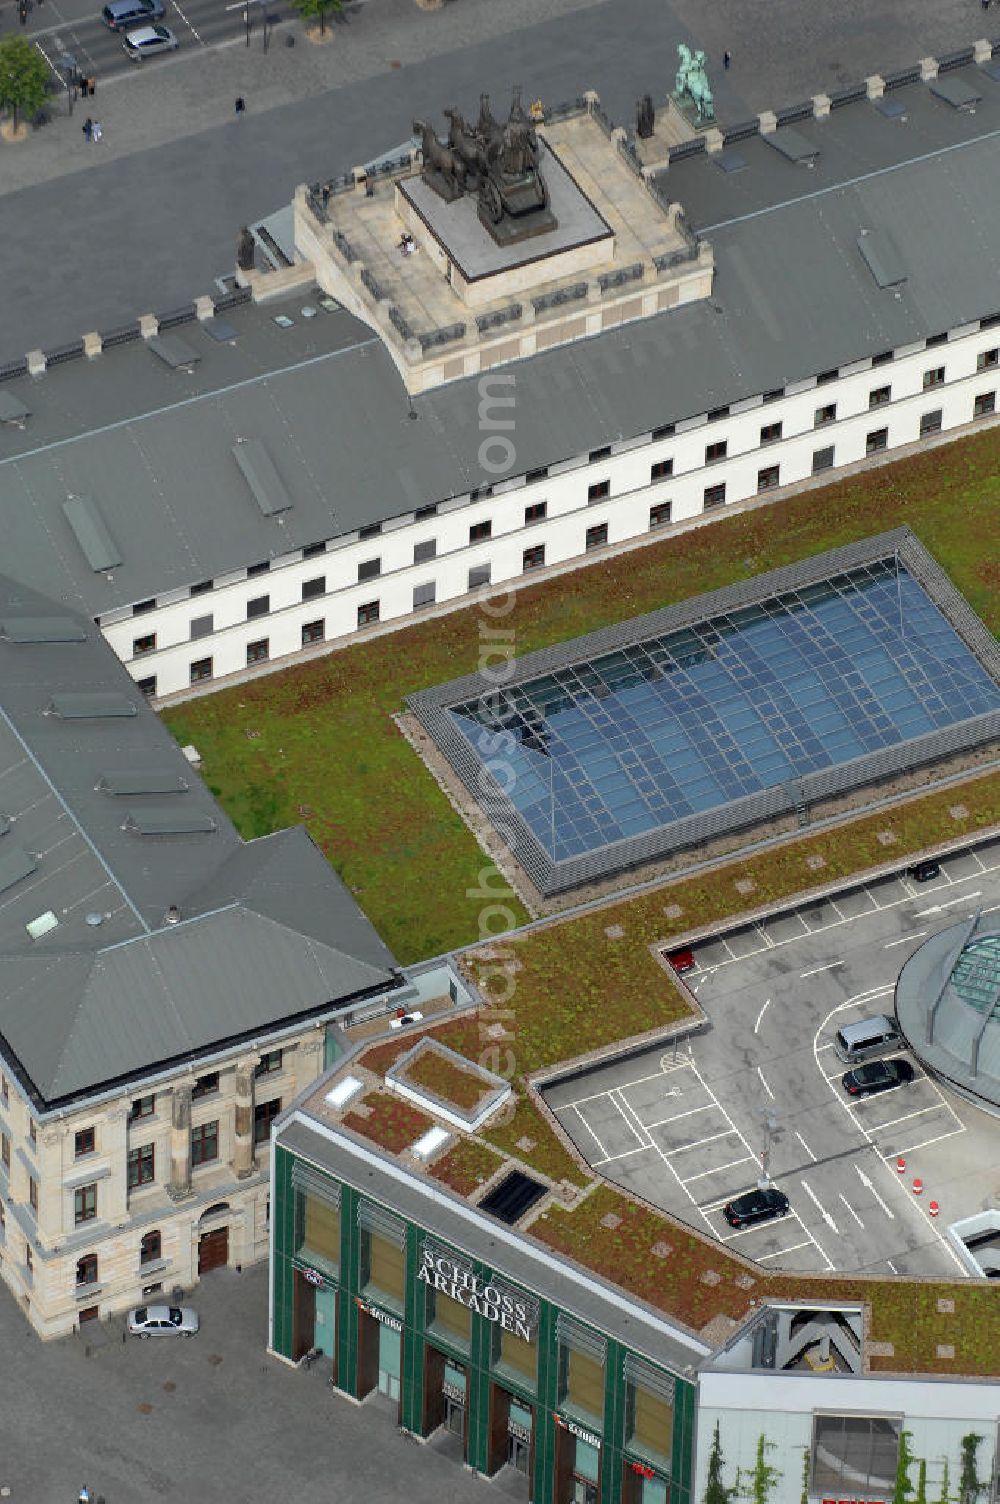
[(536, 512), (33, 1130), (313, 588), (822, 460), (597, 536), (142, 1107), (313, 631), (203, 587), (448, 1318), (259, 651), (984, 405), (423, 512), (825, 377), (86, 1269), (854, 1456), (204, 1143), (150, 1248), (770, 433), (661, 469), (987, 360), (539, 474), (29, 1259), (880, 396), (205, 1086), (824, 415), (665, 431), (935, 339), (368, 613), (147, 686), (142, 608), (264, 1114), (259, 606), (716, 451), (884, 359), (715, 496), (717, 413), (424, 595), (768, 478), (5, 1150), (659, 515), (146, 644), (141, 1166), (383, 1267), (370, 530), (598, 491), (317, 1231), (479, 575), (933, 377), (533, 558), (269, 1064), (581, 1385), (776, 395), (264, 567), (313, 550), (422, 552), (4, 1090), (649, 1423), (33, 1193), (84, 1204), (84, 1141), (480, 531), (202, 626), (930, 422), (596, 455), (369, 569), (876, 440), (514, 1357)]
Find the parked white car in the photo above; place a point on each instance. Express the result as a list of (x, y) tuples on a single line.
[(163, 1321)]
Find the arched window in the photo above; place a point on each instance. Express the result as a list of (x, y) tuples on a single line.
[(149, 1248), (86, 1269)]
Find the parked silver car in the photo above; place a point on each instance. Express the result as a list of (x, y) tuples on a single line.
[(163, 1321), (144, 41)]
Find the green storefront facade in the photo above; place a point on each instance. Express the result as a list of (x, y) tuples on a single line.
[(529, 1363)]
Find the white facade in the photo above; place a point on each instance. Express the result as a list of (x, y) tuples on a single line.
[(652, 482)]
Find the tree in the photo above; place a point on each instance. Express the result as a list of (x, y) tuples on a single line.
[(969, 1485), (310, 10), (764, 1476), (24, 74), (716, 1491), (903, 1484)]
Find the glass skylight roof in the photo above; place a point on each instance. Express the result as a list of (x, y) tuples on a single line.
[(671, 726)]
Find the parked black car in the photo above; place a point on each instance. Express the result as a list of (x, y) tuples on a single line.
[(756, 1206), (924, 872), (878, 1075)]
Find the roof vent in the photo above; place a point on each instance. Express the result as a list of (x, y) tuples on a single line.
[(42, 925), (173, 915), (13, 410), (90, 707), (142, 781), (41, 629), (168, 822), (882, 258), (15, 864), (96, 544), (258, 471), (173, 351), (430, 1143), (341, 1094)]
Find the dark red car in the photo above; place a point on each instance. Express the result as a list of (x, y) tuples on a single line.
[(682, 960)]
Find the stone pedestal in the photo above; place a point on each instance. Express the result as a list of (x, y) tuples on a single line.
[(179, 1186), (243, 1156)]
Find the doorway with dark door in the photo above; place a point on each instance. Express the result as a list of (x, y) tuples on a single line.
[(213, 1250)]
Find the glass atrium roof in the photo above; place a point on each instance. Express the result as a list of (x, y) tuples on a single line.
[(617, 745), (976, 977)]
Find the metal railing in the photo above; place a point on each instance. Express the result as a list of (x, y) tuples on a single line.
[(509, 315), (561, 296)]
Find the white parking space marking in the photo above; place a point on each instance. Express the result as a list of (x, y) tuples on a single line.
[(763, 1257), (187, 23), (819, 1205), (764, 1083), (926, 1142), (590, 1130), (611, 1159), (830, 966), (717, 1169), (905, 939), (866, 1182), (697, 1142), (660, 1122), (760, 1015), (805, 1146), (850, 1208)]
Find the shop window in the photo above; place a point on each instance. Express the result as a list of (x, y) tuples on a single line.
[(204, 1143), (513, 1358), (581, 1385), (649, 1417), (822, 460), (825, 415), (536, 512), (264, 1114), (769, 479), (86, 1270), (141, 1166), (480, 531), (368, 614), (880, 397), (259, 651), (259, 606), (877, 440), (204, 1086), (142, 1107), (311, 589), (715, 496), (770, 433), (269, 1064), (448, 1319), (424, 595), (144, 644), (933, 377), (533, 558), (84, 1204), (659, 515), (84, 1142), (317, 1232), (854, 1456), (151, 1247), (598, 491), (661, 469), (930, 423), (383, 1268), (425, 551), (201, 669), (984, 405), (716, 451), (313, 631), (597, 536), (369, 569)]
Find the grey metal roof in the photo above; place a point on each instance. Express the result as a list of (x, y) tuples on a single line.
[(517, 1255), (792, 296), (72, 845)]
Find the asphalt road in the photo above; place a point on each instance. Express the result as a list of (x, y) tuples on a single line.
[(688, 1129)]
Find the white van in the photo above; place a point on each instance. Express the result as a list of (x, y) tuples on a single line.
[(863, 1041)]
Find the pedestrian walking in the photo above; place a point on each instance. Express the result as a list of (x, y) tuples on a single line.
[(241, 104), (84, 1496), (985, 4), (96, 131), (88, 129), (727, 58), (22, 12)]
